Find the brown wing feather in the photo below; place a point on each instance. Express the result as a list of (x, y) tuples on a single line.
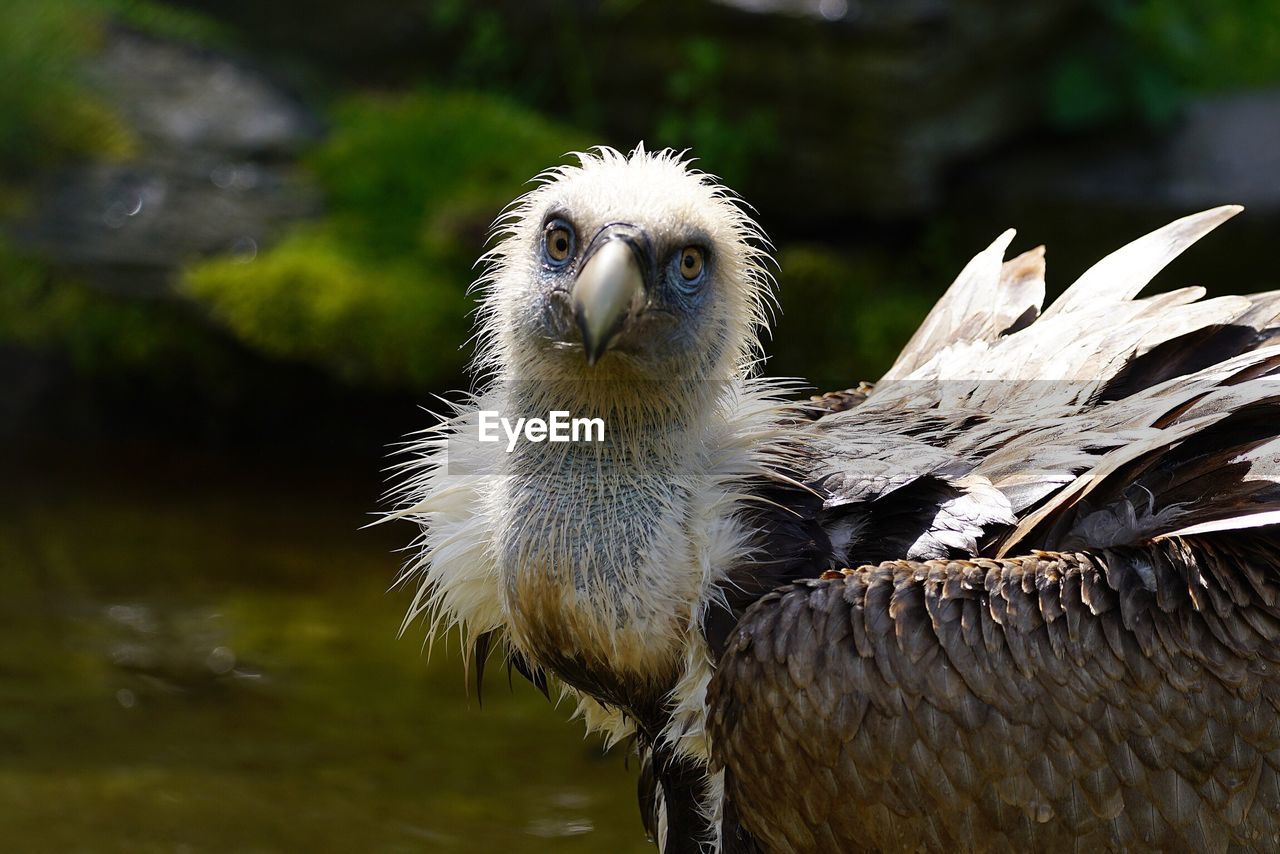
[(1057, 701)]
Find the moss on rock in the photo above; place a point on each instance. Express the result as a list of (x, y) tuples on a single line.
[(375, 291)]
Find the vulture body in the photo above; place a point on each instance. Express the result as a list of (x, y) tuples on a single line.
[(1022, 593)]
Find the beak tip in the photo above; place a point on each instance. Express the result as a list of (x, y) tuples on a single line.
[(590, 347), (592, 351)]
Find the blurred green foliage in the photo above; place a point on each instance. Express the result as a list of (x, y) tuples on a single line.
[(46, 111), (1207, 46), (97, 332), (727, 145), (50, 113), (484, 50), (1155, 53), (375, 290), (160, 19), (857, 311)]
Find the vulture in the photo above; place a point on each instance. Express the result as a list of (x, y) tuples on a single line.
[(1021, 593)]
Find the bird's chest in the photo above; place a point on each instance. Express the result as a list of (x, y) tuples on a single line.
[(596, 577)]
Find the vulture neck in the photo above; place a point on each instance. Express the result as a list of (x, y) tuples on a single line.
[(596, 557)]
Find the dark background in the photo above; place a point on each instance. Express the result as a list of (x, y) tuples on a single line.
[(235, 243)]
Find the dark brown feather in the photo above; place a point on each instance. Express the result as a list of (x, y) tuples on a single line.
[(1104, 718)]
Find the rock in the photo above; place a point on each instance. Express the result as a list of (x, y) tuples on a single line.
[(1085, 196), (187, 99), (214, 171), (129, 226), (1223, 150), (1228, 147)]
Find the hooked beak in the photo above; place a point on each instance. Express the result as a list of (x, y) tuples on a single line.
[(609, 286)]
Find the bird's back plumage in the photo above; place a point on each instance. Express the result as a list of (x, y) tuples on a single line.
[(1063, 625), (1115, 700)]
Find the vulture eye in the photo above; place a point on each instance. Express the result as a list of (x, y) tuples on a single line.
[(691, 263), (557, 243)]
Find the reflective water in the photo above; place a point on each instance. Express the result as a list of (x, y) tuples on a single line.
[(197, 655)]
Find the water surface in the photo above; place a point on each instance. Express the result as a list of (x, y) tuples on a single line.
[(200, 654)]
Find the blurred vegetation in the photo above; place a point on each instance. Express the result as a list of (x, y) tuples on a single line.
[(42, 309), (160, 19), (375, 290), (860, 310), (726, 145), (1155, 53), (46, 112), (50, 114)]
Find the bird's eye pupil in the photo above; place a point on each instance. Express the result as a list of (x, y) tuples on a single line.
[(559, 243), (691, 263)]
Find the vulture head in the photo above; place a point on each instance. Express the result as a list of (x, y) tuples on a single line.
[(624, 268), (628, 288)]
